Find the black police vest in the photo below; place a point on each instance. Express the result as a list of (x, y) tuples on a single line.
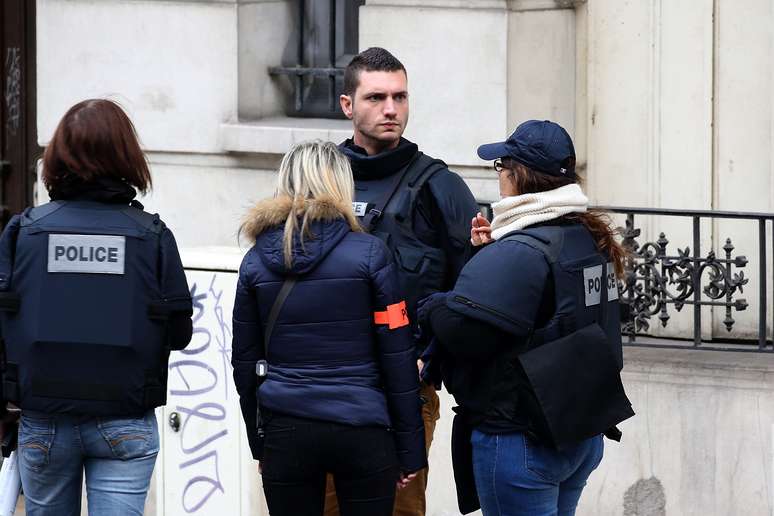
[(82, 340), (577, 276), (574, 360), (386, 208)]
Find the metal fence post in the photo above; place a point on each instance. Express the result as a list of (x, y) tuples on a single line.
[(697, 282)]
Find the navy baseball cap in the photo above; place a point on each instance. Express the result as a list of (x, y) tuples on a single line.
[(540, 145)]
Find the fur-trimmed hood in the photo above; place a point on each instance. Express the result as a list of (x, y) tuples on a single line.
[(273, 212), (328, 222)]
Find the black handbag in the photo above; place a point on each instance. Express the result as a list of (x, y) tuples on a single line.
[(262, 366), (576, 386)]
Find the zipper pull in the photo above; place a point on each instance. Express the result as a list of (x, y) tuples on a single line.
[(465, 301)]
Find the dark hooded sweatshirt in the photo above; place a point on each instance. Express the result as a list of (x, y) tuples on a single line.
[(328, 359)]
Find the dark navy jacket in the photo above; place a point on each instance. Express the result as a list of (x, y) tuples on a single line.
[(505, 283), (328, 360), (103, 298)]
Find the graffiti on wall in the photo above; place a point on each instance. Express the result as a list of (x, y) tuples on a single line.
[(13, 89), (200, 379)]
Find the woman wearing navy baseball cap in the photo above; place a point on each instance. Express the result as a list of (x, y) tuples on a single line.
[(529, 337)]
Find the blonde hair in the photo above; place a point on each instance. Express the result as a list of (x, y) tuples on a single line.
[(314, 170)]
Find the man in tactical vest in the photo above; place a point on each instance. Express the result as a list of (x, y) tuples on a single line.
[(413, 202)]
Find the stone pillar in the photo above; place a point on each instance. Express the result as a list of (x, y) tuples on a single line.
[(265, 36), (455, 53), (542, 62), (476, 69)]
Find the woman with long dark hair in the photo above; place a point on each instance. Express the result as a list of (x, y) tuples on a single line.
[(529, 336), (93, 297)]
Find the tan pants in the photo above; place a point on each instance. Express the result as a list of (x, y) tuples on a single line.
[(409, 501)]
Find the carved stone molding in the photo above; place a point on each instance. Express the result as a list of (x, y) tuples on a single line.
[(543, 5), (448, 4), (512, 5)]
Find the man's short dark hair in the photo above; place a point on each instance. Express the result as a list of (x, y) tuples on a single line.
[(374, 59)]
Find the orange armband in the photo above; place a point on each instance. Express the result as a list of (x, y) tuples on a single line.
[(395, 316)]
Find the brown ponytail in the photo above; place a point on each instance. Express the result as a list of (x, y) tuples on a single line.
[(598, 223)]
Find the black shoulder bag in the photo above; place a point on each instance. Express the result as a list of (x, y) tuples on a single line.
[(262, 366)]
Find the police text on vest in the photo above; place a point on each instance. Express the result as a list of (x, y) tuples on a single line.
[(592, 284), (360, 208), (89, 254)]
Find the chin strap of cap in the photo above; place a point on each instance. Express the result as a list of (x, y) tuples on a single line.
[(394, 317)]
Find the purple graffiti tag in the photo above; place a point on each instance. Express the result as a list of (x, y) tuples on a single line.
[(198, 307), (215, 483), (200, 411), (222, 339), (201, 432), (181, 365)]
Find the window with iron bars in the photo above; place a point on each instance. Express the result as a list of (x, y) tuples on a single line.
[(325, 40)]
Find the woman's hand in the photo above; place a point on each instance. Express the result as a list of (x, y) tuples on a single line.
[(405, 479), (480, 231)]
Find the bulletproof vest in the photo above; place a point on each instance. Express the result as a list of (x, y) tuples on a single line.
[(574, 360), (386, 209), (84, 339), (577, 276)]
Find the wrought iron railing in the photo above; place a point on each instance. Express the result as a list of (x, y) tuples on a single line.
[(659, 278)]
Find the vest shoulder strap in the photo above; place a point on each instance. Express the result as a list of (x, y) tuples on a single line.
[(548, 240), (32, 215), (420, 172), (422, 169), (149, 221), (371, 219)]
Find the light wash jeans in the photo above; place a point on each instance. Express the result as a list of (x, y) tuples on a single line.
[(516, 477), (117, 454)]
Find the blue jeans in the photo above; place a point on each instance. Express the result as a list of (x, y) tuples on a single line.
[(116, 453), (515, 477)]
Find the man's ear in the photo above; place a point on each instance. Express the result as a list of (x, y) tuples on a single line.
[(346, 105)]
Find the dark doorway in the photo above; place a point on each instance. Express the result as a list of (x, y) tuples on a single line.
[(19, 149)]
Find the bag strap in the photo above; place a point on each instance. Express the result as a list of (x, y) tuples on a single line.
[(374, 214), (287, 286), (261, 367), (415, 185)]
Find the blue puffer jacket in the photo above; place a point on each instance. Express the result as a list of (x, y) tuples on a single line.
[(328, 359)]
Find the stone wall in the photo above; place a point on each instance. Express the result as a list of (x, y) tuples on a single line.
[(700, 444)]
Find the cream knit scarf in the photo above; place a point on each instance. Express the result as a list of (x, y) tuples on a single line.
[(520, 211)]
